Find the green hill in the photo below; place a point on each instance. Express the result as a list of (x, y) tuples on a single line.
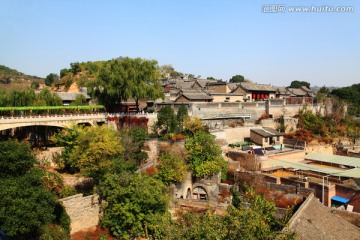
[(13, 79), (351, 95)]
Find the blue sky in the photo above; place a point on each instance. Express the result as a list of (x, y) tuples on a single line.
[(203, 37)]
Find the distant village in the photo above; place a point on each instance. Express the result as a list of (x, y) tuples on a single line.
[(245, 118)]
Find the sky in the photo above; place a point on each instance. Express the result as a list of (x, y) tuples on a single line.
[(260, 39)]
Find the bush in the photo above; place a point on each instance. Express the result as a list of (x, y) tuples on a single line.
[(178, 137), (239, 144), (15, 158), (54, 232), (67, 191)]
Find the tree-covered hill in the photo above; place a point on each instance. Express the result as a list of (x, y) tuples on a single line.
[(13, 79), (351, 95)]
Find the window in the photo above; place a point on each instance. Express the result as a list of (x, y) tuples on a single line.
[(266, 139), (277, 138)]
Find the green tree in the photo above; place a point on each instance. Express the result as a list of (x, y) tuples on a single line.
[(181, 115), (75, 68), (351, 95), (324, 90), (48, 98), (79, 100), (96, 150), (281, 124), (193, 125), (204, 155), (168, 69), (17, 98), (64, 72), (27, 205), (133, 141), (132, 202), (172, 168), (311, 121), (237, 79), (210, 78), (121, 79), (299, 84), (67, 139), (35, 85), (166, 120), (51, 78), (15, 158)]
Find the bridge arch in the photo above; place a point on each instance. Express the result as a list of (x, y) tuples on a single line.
[(63, 121)]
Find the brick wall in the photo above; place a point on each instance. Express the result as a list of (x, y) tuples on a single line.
[(352, 194), (329, 192), (247, 161), (83, 211)]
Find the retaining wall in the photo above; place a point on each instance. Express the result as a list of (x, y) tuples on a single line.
[(83, 211)]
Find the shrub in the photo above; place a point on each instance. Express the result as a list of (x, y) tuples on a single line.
[(67, 191), (178, 137)]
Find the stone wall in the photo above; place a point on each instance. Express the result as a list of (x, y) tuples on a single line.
[(236, 134), (289, 110), (275, 183), (252, 110), (288, 189), (83, 211), (248, 162)]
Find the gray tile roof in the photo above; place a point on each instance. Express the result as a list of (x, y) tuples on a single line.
[(71, 96), (232, 86), (203, 82), (282, 90), (315, 221), (267, 132), (305, 89), (195, 94), (257, 87), (297, 92), (214, 93), (185, 85)]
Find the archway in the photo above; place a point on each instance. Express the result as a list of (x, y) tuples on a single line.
[(199, 193)]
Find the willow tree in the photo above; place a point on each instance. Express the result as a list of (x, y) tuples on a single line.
[(123, 78), (17, 98)]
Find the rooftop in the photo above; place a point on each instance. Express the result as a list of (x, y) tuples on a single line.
[(195, 94), (71, 96), (352, 173), (267, 132), (315, 221), (257, 87), (335, 159)]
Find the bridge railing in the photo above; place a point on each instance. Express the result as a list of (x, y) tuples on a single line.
[(131, 114), (50, 118), (51, 115)]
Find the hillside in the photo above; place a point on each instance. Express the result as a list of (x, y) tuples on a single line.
[(13, 79), (351, 95)]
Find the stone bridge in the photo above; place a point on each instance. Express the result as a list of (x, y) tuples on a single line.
[(63, 121)]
